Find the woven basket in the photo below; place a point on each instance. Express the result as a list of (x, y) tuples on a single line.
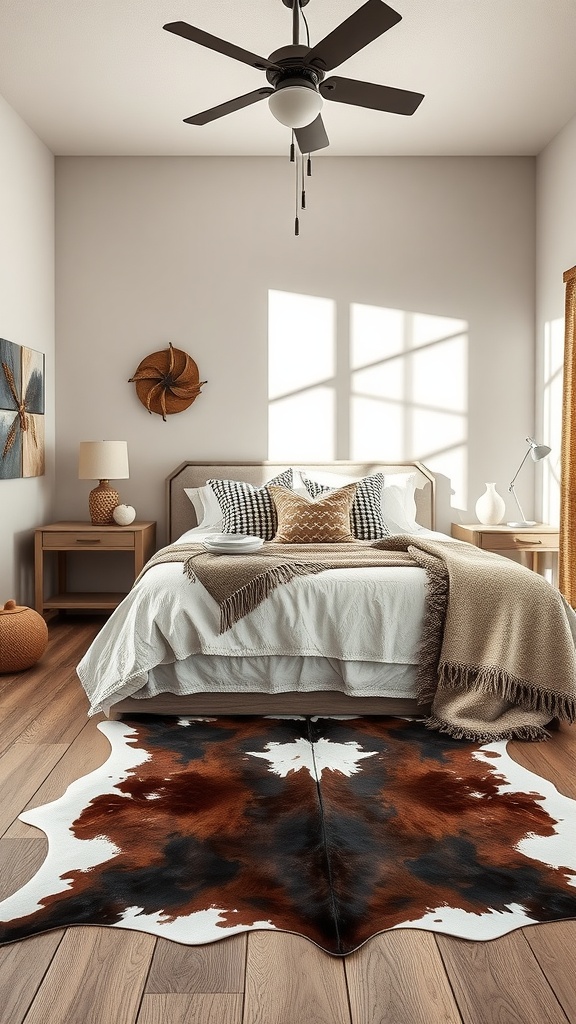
[(23, 637)]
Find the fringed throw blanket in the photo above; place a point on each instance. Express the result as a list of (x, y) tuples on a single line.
[(506, 658), (239, 583), (497, 657)]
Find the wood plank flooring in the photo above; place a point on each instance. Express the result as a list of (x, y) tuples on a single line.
[(89, 975)]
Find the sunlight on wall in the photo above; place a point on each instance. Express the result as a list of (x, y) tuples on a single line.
[(301, 371), (409, 390), (392, 386), (552, 418)]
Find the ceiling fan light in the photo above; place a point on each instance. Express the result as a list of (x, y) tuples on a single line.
[(295, 105)]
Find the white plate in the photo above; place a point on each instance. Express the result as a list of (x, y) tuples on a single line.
[(234, 540), (254, 544)]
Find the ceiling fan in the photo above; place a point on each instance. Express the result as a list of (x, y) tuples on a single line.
[(296, 73)]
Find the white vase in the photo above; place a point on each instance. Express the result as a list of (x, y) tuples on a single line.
[(490, 507)]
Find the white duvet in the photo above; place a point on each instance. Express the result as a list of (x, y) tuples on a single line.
[(356, 630)]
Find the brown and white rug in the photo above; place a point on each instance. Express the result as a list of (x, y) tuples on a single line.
[(335, 829)]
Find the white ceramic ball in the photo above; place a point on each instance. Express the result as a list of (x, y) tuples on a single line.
[(124, 515)]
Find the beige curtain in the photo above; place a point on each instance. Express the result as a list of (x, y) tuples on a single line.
[(567, 557)]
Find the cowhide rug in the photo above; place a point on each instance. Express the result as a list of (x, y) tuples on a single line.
[(336, 829)]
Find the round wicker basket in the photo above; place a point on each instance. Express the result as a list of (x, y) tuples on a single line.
[(23, 637)]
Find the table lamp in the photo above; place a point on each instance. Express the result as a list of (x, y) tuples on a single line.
[(103, 461), (538, 452)]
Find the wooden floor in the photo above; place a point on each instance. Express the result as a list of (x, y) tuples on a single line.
[(89, 975)]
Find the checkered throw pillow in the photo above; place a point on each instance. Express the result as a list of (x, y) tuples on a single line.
[(248, 509), (367, 518)]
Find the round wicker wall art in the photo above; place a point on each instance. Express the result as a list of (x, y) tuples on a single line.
[(167, 382)]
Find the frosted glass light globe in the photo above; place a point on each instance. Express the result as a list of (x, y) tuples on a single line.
[(295, 105)]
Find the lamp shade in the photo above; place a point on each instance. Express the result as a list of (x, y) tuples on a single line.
[(103, 460), (540, 451), (295, 103)]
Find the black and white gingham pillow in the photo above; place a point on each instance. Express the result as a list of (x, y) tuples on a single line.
[(248, 509), (366, 517)]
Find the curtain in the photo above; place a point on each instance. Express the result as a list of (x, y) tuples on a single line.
[(567, 556)]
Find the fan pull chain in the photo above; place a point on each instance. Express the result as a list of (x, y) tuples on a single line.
[(303, 194), (309, 166), (296, 219), (292, 150)]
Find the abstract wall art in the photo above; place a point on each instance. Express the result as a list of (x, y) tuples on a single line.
[(21, 411)]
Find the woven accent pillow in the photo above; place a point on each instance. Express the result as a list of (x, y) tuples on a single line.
[(248, 509), (367, 518), (325, 520)]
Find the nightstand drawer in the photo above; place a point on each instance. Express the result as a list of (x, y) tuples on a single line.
[(67, 539), (537, 542), (524, 539)]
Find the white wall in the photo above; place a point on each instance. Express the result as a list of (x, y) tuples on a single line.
[(26, 318), (556, 252), (152, 250)]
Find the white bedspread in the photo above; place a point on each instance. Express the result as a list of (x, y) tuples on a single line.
[(371, 615)]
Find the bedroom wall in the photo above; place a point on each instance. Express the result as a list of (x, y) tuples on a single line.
[(556, 252), (26, 318), (185, 250)]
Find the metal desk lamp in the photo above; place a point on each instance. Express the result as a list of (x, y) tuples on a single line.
[(538, 452)]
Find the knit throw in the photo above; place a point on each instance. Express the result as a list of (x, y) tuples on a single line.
[(497, 657)]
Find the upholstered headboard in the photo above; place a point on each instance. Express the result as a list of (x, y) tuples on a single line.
[(180, 511)]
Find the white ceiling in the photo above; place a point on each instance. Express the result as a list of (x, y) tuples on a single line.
[(102, 77)]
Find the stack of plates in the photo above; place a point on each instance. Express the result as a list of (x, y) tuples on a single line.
[(232, 543)]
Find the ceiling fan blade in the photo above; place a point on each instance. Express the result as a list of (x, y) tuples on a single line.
[(365, 94), (366, 24), (197, 35), (229, 107), (312, 137)]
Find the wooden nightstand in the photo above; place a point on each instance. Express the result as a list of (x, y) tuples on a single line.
[(63, 537), (536, 540)]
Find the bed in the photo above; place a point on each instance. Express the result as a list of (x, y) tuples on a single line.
[(403, 620), (413, 488)]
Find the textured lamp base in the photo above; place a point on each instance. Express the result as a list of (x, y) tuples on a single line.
[(102, 501)]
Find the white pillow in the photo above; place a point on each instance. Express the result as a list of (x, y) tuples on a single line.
[(399, 502), (206, 506)]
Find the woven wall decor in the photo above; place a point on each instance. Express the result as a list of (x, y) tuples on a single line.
[(167, 382)]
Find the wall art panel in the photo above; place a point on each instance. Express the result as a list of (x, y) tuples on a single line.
[(21, 411)]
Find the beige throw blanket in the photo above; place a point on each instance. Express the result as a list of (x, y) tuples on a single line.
[(506, 656), (497, 656)]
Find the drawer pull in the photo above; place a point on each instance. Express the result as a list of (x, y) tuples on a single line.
[(89, 540), (527, 540)]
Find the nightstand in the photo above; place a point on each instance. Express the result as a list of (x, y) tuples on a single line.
[(537, 540), (140, 538)]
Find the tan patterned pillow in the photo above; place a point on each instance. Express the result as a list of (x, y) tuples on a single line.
[(325, 520)]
